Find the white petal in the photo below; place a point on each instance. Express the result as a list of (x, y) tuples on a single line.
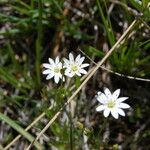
[(60, 65), (57, 60), (83, 71), (100, 108), (81, 60), (49, 76), (56, 79), (123, 105), (102, 98), (106, 112), (116, 94), (107, 93), (71, 57), (69, 74), (84, 65), (121, 99), (68, 70), (114, 113), (60, 75), (121, 112), (77, 58), (51, 61), (47, 65), (47, 71), (78, 73), (98, 93), (66, 61)]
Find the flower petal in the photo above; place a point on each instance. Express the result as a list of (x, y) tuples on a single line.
[(100, 108), (47, 71), (71, 57), (56, 79), (78, 73), (98, 93), (81, 60), (101, 98), (57, 60), (83, 71), (121, 112), (78, 58), (84, 65), (106, 112), (116, 94), (123, 105), (121, 99), (114, 113), (59, 65), (69, 73), (47, 65), (49, 76), (51, 61), (107, 93), (59, 75), (66, 61)]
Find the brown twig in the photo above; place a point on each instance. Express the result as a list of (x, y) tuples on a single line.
[(116, 73)]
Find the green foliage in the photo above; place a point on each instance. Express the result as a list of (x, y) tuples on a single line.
[(90, 50), (129, 58)]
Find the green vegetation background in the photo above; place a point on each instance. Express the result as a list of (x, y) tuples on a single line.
[(33, 30)]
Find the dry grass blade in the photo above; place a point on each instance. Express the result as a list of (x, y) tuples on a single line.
[(84, 82), (116, 73), (18, 137)]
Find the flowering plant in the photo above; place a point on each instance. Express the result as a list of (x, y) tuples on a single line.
[(72, 67)]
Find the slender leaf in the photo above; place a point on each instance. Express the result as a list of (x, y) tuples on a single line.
[(19, 129)]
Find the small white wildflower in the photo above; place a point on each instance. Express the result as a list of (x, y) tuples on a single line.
[(53, 69), (74, 66), (111, 103)]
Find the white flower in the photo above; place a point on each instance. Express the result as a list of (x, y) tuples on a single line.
[(74, 66), (111, 103), (53, 69)]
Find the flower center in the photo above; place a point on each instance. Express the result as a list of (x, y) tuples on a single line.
[(56, 70), (111, 104), (74, 68)]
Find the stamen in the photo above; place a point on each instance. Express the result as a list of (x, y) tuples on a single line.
[(56, 70), (111, 104), (74, 68)]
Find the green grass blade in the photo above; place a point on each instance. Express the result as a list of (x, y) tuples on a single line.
[(4, 75), (107, 25), (39, 44), (137, 4), (18, 128), (12, 55)]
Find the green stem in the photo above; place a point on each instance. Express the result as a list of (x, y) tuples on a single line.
[(102, 129), (107, 25), (39, 44), (71, 133), (32, 4)]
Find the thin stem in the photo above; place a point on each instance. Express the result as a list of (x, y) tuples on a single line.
[(71, 131), (102, 129), (103, 126), (116, 73), (39, 44), (110, 34)]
